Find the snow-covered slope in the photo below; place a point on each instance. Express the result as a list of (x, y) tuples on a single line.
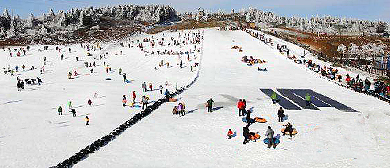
[(33, 135), (326, 138)]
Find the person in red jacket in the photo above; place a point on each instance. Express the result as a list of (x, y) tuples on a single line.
[(230, 134), (134, 96), (240, 106)]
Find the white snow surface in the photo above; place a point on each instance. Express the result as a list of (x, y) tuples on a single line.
[(32, 134)]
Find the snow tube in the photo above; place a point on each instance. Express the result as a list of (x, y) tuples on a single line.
[(172, 100), (260, 120), (244, 120), (276, 141), (255, 137), (285, 117), (288, 133), (108, 78)]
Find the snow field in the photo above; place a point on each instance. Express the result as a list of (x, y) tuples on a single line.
[(32, 134)]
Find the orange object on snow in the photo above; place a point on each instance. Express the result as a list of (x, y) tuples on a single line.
[(260, 120)]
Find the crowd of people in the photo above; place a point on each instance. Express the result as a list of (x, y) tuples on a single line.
[(271, 140), (363, 85)]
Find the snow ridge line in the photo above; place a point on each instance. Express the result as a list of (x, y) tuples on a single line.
[(96, 145)]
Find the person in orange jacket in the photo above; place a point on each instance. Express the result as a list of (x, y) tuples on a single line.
[(230, 134)]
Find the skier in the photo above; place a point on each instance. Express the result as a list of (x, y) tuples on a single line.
[(210, 105), (150, 87), (74, 112), (308, 99), (89, 102), (87, 120), (270, 136), (230, 134), (280, 114), (120, 71), (60, 110), (62, 57)]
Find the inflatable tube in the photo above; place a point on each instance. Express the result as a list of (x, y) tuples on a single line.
[(288, 133), (255, 137), (277, 141), (260, 120), (244, 120)]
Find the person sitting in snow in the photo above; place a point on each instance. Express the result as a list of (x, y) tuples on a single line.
[(230, 134), (288, 129)]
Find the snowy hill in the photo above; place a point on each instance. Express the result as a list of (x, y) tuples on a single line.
[(32, 134)]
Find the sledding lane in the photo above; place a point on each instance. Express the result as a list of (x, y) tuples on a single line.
[(327, 137)]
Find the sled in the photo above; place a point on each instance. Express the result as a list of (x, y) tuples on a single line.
[(288, 133), (255, 137), (276, 140), (260, 120), (108, 79), (245, 121), (135, 106)]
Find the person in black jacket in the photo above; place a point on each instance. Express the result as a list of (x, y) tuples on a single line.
[(245, 134), (248, 116), (280, 114), (210, 105)]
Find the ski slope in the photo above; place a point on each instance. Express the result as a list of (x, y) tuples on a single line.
[(33, 135), (326, 138)]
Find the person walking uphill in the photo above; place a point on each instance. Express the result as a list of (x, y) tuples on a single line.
[(280, 114), (274, 98), (270, 136), (308, 99), (210, 105)]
